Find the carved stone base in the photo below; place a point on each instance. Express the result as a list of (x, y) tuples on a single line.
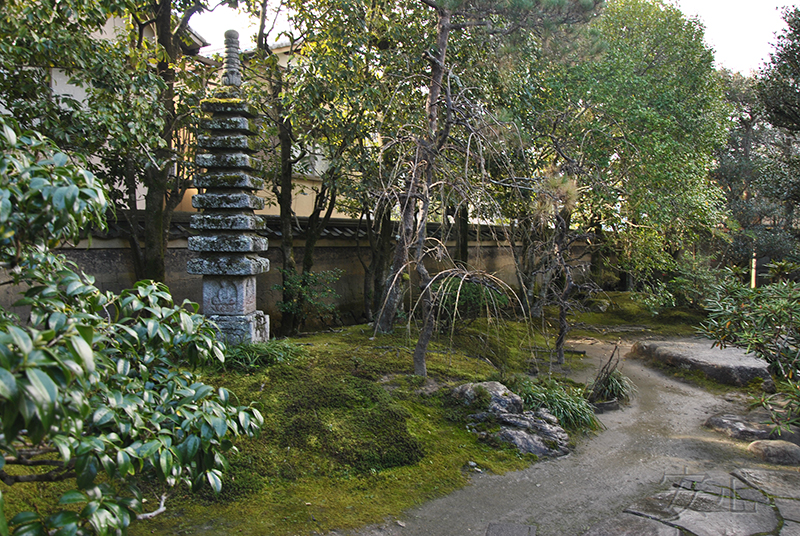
[(229, 295), (242, 329)]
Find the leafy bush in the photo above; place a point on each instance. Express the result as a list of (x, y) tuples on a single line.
[(90, 382), (567, 403), (460, 301), (308, 294), (248, 357), (763, 320), (686, 286)]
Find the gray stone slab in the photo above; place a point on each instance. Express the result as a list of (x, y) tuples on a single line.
[(739, 427), (230, 142), (229, 295), (789, 509), (790, 528), (704, 514), (228, 179), (229, 244), (234, 201), (776, 483), (227, 160), (776, 451), (510, 529), (631, 525), (228, 265), (730, 366), (231, 124), (707, 486), (241, 329), (227, 222), (228, 106)]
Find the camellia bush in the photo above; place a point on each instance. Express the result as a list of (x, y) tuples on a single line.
[(95, 388), (764, 320)]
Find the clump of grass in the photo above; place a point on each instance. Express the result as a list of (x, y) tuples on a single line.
[(610, 383), (248, 357), (564, 401)]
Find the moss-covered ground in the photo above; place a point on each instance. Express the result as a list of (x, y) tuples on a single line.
[(352, 437), (625, 316)]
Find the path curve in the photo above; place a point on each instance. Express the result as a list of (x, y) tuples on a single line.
[(660, 435)]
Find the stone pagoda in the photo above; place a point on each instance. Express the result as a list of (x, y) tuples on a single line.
[(227, 243)]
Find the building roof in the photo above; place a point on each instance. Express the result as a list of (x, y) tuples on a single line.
[(337, 229)]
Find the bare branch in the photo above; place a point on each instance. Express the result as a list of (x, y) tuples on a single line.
[(197, 7), (160, 510)]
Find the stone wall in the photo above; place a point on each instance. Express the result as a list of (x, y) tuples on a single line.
[(110, 262)]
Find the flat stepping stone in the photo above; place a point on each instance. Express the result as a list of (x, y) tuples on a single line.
[(790, 528), (631, 525), (775, 483), (704, 514), (729, 366), (739, 427), (789, 509), (510, 529)]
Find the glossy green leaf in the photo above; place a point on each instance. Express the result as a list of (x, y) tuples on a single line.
[(102, 415), (83, 352), (44, 394), (214, 480), (21, 339), (3, 524), (8, 385), (72, 497), (24, 518), (165, 461)]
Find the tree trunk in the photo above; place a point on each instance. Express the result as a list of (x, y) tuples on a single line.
[(158, 217), (462, 234), (424, 163), (563, 222), (290, 321)]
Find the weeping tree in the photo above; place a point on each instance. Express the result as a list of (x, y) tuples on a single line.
[(442, 121)]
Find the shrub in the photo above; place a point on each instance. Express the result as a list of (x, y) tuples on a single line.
[(610, 383), (567, 403), (459, 301), (91, 381), (763, 320), (686, 286), (308, 294), (248, 357)]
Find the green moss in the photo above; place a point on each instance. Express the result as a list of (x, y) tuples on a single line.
[(626, 316), (694, 377), (349, 439), (350, 436)]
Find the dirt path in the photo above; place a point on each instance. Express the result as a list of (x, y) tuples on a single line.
[(659, 435)]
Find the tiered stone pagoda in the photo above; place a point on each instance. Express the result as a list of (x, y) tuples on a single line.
[(227, 243)]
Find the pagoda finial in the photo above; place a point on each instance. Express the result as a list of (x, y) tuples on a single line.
[(232, 76)]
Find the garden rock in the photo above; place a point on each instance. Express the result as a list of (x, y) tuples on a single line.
[(729, 366), (739, 427), (777, 451), (531, 432), (502, 399)]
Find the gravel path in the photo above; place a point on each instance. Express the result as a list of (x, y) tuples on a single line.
[(657, 438)]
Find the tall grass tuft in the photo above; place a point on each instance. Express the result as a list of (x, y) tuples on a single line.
[(249, 357), (610, 383), (565, 402)]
